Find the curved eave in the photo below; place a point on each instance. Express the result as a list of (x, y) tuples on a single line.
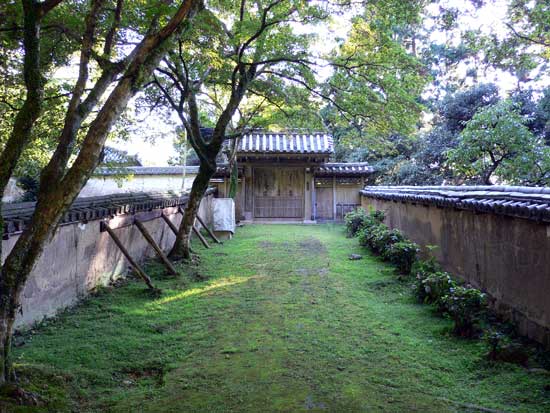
[(531, 203)]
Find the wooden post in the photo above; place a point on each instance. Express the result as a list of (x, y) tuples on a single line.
[(195, 231), (304, 203), (170, 224), (314, 200), (133, 263), (173, 228), (216, 240), (156, 247), (253, 194), (334, 198), (198, 234)]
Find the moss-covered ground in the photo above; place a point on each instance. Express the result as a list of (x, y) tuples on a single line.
[(275, 320)]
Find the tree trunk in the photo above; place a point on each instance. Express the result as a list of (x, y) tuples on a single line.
[(8, 309), (19, 137), (207, 153), (181, 248), (489, 173), (56, 195)]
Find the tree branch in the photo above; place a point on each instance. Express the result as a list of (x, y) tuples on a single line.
[(47, 6), (527, 38), (74, 115), (111, 35)]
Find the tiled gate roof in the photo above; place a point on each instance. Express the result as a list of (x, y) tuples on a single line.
[(314, 143)]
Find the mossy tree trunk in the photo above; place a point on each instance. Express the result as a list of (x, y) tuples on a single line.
[(59, 189), (181, 92), (18, 139)]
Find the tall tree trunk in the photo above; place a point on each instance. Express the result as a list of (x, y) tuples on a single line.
[(182, 247), (19, 138), (207, 153), (57, 194)]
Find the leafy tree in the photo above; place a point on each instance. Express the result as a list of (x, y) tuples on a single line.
[(497, 145), (458, 108), (422, 158), (535, 111), (525, 49), (234, 73), (99, 34), (376, 84)]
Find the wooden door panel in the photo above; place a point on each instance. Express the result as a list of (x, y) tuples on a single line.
[(278, 192), (324, 202)]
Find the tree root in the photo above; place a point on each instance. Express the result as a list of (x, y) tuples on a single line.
[(154, 292)]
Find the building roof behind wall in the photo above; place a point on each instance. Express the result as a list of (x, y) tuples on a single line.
[(343, 169), (146, 170), (271, 143), (157, 170)]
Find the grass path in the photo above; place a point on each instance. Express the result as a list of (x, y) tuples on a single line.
[(284, 322)]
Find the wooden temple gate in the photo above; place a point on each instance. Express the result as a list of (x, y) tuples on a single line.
[(278, 192), (287, 177)]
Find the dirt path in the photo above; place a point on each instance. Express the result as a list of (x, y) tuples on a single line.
[(284, 323)]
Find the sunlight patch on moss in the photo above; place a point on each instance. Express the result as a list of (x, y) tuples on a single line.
[(221, 283)]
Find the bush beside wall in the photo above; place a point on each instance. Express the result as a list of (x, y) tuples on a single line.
[(466, 306)]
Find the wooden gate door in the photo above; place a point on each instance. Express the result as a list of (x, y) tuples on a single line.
[(278, 192), (324, 202)]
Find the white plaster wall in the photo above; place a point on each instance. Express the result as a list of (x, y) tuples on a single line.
[(12, 193), (80, 258), (105, 185)]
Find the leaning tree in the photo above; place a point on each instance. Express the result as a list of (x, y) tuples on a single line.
[(242, 53), (236, 55), (117, 48)]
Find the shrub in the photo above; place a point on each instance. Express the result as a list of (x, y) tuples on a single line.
[(422, 268), (402, 254), (355, 220), (465, 306), (363, 236), (431, 287), (382, 238), (373, 236), (359, 219), (503, 348), (377, 216)]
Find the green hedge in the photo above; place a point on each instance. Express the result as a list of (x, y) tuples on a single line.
[(463, 304), (359, 219), (390, 244)]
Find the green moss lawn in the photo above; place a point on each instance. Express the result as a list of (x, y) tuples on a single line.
[(275, 320)]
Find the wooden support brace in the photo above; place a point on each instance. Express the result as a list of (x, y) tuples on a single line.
[(156, 247), (170, 224), (173, 228), (201, 237), (216, 240), (133, 263), (196, 231)]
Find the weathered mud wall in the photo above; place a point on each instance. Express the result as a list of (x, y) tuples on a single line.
[(506, 256), (80, 257)]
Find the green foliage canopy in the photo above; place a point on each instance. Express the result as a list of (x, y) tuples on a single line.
[(497, 145)]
